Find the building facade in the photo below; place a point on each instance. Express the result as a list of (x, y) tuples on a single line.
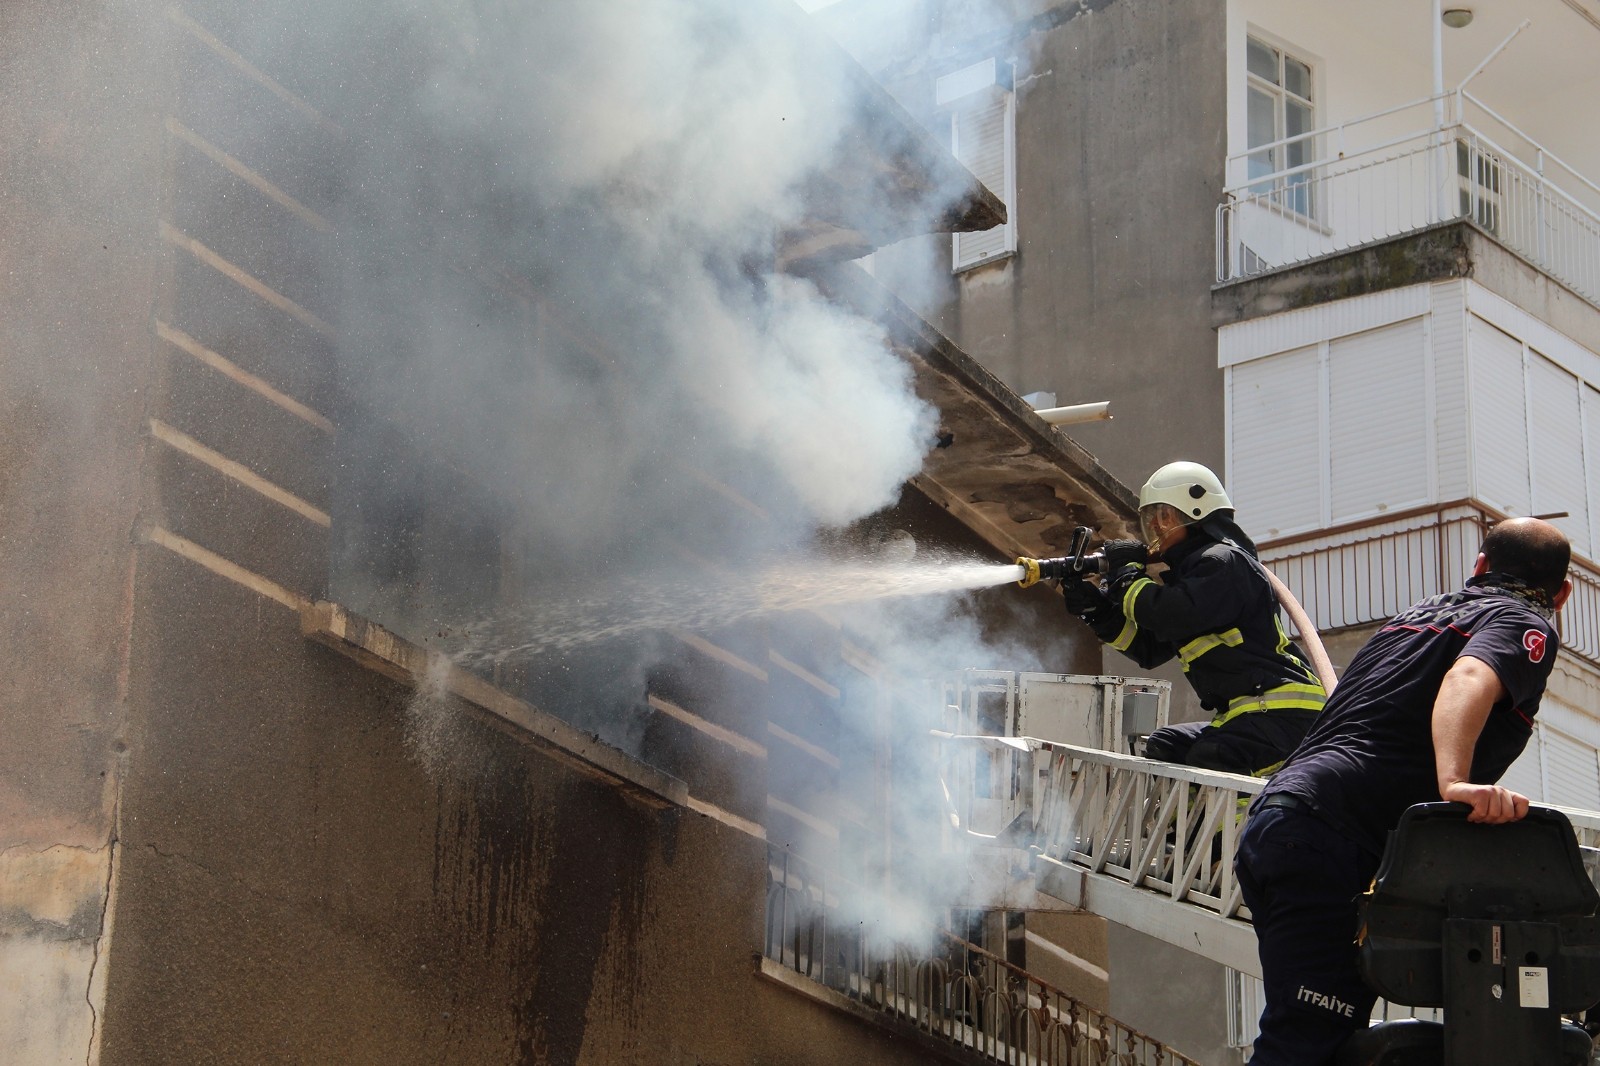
[(388, 684)]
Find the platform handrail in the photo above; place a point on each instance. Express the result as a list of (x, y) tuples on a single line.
[(1153, 825)]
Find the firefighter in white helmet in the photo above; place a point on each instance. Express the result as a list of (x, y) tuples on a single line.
[(1215, 611)]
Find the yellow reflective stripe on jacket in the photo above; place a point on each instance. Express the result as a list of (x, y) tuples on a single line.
[(1125, 638), (1283, 647), (1132, 594), (1293, 697), (1204, 643)]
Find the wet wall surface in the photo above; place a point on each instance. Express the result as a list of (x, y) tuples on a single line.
[(295, 887)]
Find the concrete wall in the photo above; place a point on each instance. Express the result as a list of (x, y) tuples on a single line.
[(1121, 122), (1173, 995), (298, 887), (78, 255)]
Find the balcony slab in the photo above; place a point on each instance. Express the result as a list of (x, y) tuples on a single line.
[(1454, 249)]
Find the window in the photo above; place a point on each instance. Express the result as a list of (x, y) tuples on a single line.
[(983, 124), (1479, 182), (1279, 106)]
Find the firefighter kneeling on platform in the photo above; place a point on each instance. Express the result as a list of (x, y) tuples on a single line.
[(1215, 610)]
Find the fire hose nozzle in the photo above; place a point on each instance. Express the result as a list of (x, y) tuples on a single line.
[(1037, 570)]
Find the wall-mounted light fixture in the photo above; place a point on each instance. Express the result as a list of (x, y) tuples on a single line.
[(1457, 17)]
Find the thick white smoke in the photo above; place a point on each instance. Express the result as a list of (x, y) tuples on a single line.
[(691, 127), (557, 282), (638, 159)]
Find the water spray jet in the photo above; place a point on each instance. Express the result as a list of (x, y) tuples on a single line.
[(711, 601)]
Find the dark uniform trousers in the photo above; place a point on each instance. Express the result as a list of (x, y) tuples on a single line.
[(1301, 879), (1246, 744)]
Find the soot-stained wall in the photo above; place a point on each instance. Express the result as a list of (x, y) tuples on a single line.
[(296, 885)]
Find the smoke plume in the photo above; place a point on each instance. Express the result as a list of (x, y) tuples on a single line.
[(556, 305)]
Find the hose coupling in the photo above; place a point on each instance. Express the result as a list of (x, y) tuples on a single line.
[(1037, 570)]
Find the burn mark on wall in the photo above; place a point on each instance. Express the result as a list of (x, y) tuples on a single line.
[(543, 876)]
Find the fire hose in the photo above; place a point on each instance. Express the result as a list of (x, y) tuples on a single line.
[(1308, 632)]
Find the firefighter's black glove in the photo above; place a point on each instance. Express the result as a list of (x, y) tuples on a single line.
[(1120, 553), (1082, 596), (1121, 578), (1107, 622)]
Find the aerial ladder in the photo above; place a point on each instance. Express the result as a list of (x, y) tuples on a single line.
[(1042, 768)]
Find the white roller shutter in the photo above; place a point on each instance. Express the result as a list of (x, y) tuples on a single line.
[(1499, 419), (1573, 770), (981, 137), (1591, 452), (1526, 775), (1377, 421), (1556, 439), (1275, 454)]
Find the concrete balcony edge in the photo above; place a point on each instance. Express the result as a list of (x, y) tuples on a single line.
[(1457, 248), (384, 652)]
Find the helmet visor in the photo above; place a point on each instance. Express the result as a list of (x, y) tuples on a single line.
[(1147, 529)]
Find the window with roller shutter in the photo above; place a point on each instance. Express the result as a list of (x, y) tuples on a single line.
[(1526, 775), (1331, 433), (1499, 419), (982, 111), (1377, 432), (1555, 448), (1572, 771)]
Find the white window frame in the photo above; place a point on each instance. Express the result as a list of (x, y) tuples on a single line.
[(1287, 193), (985, 84)]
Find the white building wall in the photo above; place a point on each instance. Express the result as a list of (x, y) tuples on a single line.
[(1371, 406), (1352, 412)]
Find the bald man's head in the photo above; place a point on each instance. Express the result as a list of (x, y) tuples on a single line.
[(1531, 549)]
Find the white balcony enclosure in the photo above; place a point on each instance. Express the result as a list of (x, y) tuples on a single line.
[(1344, 131)]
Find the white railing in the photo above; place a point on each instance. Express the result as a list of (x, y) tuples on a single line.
[(1474, 165), (1356, 575), (1169, 831)]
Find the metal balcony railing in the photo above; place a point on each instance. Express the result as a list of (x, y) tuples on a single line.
[(1402, 180), (951, 990), (1367, 572)]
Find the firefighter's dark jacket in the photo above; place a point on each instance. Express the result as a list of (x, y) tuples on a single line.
[(1216, 612)]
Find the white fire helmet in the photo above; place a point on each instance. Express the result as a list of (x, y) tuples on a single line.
[(1193, 489)]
